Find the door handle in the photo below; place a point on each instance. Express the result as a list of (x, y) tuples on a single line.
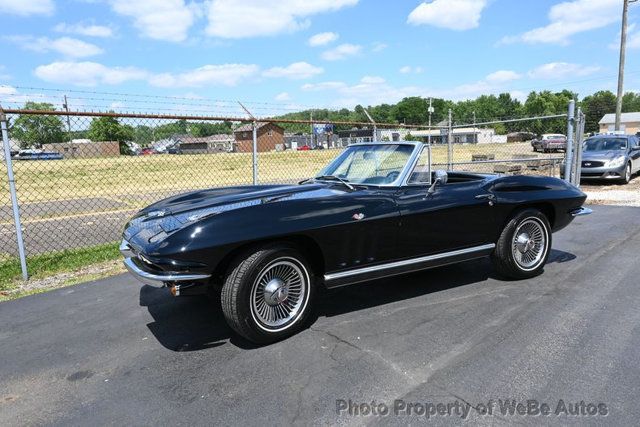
[(491, 198)]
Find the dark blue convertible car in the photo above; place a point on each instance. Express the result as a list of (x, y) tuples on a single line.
[(377, 210)]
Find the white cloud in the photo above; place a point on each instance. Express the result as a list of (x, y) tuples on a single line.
[(503, 76), (370, 90), (569, 18), (236, 19), (318, 87), (27, 7), (295, 71), (67, 46), (379, 47), (456, 15), (342, 51), (372, 80), (633, 39), (89, 30), (87, 73), (8, 90), (208, 75), (322, 39), (408, 69), (559, 70), (283, 96), (167, 20)]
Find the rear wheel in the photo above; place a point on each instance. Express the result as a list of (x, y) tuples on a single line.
[(524, 245), (267, 293)]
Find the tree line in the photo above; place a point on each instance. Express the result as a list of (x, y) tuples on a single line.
[(36, 130)]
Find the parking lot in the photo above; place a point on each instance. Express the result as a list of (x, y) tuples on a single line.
[(118, 353)]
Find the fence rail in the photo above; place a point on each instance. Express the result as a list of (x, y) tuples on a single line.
[(72, 179)]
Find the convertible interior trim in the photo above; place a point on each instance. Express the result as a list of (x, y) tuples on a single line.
[(401, 267)]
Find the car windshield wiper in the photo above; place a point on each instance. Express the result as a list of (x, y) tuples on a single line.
[(335, 178)]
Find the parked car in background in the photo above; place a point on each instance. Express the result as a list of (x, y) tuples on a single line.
[(610, 157), (36, 154), (304, 148), (550, 142), (376, 211)]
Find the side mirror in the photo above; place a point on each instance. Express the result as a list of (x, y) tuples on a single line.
[(440, 177)]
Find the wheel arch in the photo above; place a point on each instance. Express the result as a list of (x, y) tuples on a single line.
[(308, 247), (545, 207)]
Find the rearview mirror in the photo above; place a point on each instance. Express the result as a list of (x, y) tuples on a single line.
[(440, 177)]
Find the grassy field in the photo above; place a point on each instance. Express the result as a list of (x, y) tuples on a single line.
[(133, 180)]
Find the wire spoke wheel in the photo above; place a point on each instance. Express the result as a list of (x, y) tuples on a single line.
[(279, 294), (529, 245)]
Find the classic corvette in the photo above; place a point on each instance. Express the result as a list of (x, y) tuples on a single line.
[(377, 210)]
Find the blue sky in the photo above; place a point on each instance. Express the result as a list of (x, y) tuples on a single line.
[(298, 53)]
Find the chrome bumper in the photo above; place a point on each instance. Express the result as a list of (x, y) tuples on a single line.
[(581, 211), (156, 279)]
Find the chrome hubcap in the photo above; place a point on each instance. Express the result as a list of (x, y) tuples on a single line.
[(279, 294), (529, 244)]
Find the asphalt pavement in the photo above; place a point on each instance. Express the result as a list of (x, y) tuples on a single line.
[(115, 352)]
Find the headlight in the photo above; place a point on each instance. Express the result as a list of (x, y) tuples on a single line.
[(618, 161)]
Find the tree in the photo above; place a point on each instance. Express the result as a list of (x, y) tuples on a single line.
[(32, 130), (110, 129), (631, 102), (595, 107)]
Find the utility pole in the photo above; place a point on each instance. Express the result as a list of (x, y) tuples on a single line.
[(65, 105), (450, 143), (375, 127), (475, 135), (623, 48), (430, 110)]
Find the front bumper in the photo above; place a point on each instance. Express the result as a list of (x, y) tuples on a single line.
[(581, 211), (156, 278), (602, 172)]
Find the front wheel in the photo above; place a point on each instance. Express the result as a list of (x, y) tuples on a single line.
[(267, 293), (627, 174), (524, 245)]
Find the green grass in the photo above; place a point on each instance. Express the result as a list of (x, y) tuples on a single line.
[(48, 264)]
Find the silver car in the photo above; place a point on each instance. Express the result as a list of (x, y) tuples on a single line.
[(610, 157)]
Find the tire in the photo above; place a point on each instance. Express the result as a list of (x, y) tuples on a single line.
[(627, 174), (524, 245), (264, 316)]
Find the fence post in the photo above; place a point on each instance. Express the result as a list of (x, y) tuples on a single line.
[(14, 198), (568, 161), (450, 143), (255, 153), (578, 147)]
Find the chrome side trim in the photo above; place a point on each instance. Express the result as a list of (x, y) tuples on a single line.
[(160, 279), (581, 211), (407, 262)]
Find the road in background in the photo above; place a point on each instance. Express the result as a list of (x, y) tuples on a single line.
[(114, 352)]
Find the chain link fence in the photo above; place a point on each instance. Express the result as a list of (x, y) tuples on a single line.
[(79, 176)]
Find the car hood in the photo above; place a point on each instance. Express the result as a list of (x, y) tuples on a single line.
[(602, 155), (234, 196), (173, 213)]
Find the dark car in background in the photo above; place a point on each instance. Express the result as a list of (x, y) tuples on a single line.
[(550, 143), (610, 157)]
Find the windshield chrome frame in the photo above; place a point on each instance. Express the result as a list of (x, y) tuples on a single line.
[(404, 173)]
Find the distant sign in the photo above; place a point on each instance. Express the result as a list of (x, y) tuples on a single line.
[(322, 128)]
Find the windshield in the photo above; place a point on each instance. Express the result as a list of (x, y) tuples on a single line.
[(605, 144), (546, 137), (370, 164)]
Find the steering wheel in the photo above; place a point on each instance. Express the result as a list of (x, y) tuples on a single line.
[(391, 176)]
